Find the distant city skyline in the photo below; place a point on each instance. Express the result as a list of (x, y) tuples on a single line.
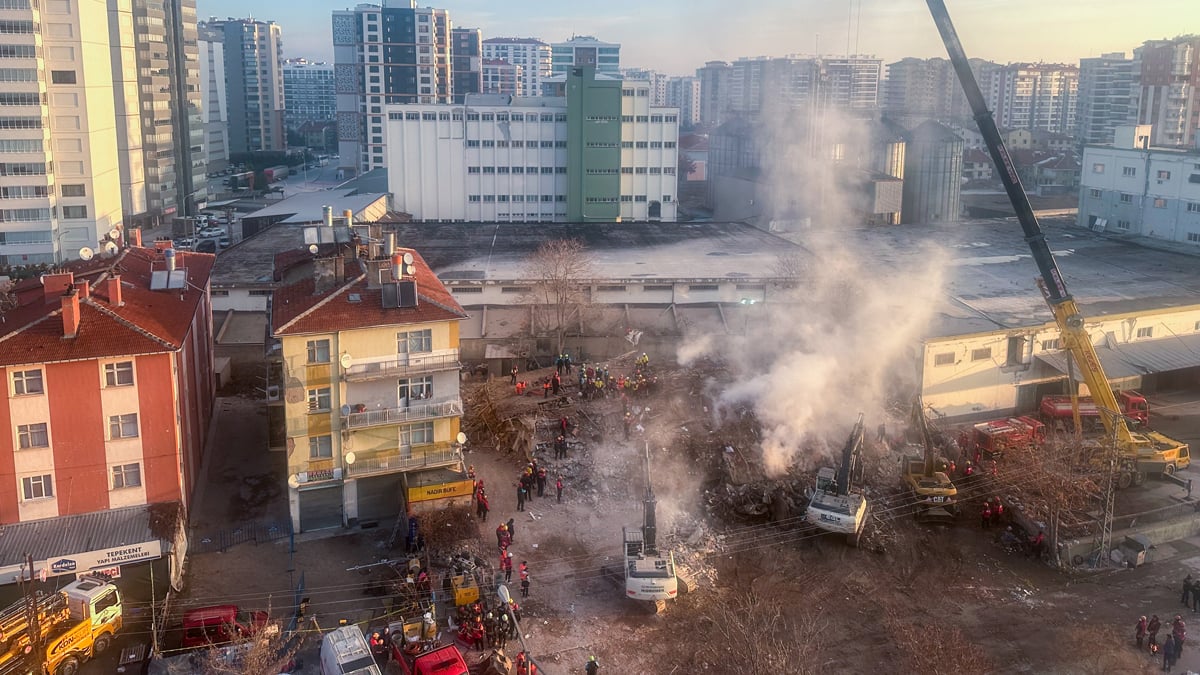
[(676, 37)]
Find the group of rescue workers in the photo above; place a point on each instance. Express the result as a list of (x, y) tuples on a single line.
[(1146, 632)]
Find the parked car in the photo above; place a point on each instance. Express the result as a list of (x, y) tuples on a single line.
[(185, 242), (207, 246), (223, 241), (210, 231)]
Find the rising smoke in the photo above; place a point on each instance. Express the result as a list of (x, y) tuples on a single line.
[(846, 338)]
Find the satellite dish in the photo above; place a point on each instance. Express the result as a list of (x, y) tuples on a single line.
[(502, 591), (350, 458), (86, 253), (408, 258), (110, 249), (462, 438), (293, 482), (312, 248), (114, 234), (346, 360), (345, 409)]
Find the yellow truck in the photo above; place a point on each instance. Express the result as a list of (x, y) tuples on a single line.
[(71, 626)]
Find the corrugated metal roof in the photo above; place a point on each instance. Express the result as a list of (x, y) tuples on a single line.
[(69, 535), (1138, 358)]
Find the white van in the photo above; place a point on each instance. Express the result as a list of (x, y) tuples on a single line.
[(345, 652)]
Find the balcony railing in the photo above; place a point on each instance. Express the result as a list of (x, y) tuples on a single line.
[(363, 370), (413, 413), (392, 461)]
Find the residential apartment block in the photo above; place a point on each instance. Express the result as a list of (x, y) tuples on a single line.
[(600, 153), (1107, 97), (1134, 187), (108, 372), (918, 89), (1034, 96), (775, 86), (370, 369), (684, 93), (714, 79), (502, 77), (308, 93), (254, 84), (531, 55), (466, 60), (1167, 77), (385, 54), (215, 107), (585, 50)]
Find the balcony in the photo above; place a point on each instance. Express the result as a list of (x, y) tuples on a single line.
[(418, 457), (413, 413), (364, 370)]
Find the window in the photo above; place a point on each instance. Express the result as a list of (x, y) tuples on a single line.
[(123, 426), (1016, 351), (473, 198), (27, 382), (643, 119), (318, 351), (62, 76), (1160, 203), (982, 354), (1145, 332), (1122, 224), (1126, 198), (627, 198), (627, 169), (74, 191), (1193, 237), (502, 169), (416, 434), (489, 169), (38, 487), (126, 476), (1048, 345), (320, 399), (489, 144), (489, 198), (414, 342), (943, 359), (320, 447), (415, 388), (472, 169), (702, 287), (656, 287), (669, 170), (32, 436), (466, 289), (74, 212), (118, 374), (1164, 175), (611, 289), (1094, 193), (1193, 207), (1097, 168), (1128, 171), (472, 144)]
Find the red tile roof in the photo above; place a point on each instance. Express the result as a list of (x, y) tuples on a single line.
[(148, 321), (296, 310)]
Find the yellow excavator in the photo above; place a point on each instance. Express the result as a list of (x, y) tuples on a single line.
[(935, 498), (1138, 454)]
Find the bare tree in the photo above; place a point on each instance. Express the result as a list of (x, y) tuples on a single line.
[(271, 650), (933, 647), (759, 634), (558, 271)]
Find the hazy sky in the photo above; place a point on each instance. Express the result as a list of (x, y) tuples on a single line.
[(677, 36)]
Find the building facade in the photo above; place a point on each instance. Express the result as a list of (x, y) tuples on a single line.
[(109, 386), (466, 57), (215, 115), (370, 388), (684, 93), (1034, 96), (1107, 98), (598, 154), (919, 89), (531, 55), (1167, 78), (384, 54), (585, 50), (714, 79), (774, 86), (254, 84), (502, 77), (1132, 187), (657, 81), (308, 93)]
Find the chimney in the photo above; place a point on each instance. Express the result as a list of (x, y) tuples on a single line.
[(135, 237), (70, 313), (54, 285), (328, 274), (84, 288), (349, 216), (112, 286), (391, 244)]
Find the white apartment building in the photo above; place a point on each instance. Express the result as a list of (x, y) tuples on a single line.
[(585, 50), (502, 77), (60, 184), (507, 160), (1132, 187), (1034, 96), (1107, 97), (215, 110), (530, 55), (684, 93)]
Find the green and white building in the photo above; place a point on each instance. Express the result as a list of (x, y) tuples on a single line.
[(597, 153)]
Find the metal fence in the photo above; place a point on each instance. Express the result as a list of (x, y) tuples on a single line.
[(222, 540)]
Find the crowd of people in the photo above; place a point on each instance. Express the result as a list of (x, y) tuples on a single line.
[(1146, 634)]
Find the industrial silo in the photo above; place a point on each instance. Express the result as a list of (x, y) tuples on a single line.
[(932, 175)]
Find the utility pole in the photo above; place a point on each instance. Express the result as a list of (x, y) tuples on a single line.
[(31, 615)]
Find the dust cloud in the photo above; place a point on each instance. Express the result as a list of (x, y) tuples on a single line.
[(846, 338)]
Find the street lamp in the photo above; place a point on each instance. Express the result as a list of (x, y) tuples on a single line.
[(506, 598)]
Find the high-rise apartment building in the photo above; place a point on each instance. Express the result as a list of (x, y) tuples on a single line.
[(1034, 96), (585, 50), (466, 58), (929, 88), (764, 86), (1107, 97), (658, 82), (60, 184), (254, 84), (531, 55), (387, 53), (714, 92), (308, 93), (684, 93), (502, 77), (1167, 76), (215, 111)]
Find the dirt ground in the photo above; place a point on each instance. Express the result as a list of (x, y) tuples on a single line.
[(768, 597)]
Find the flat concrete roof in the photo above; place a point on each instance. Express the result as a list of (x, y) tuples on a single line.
[(308, 207), (251, 262)]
